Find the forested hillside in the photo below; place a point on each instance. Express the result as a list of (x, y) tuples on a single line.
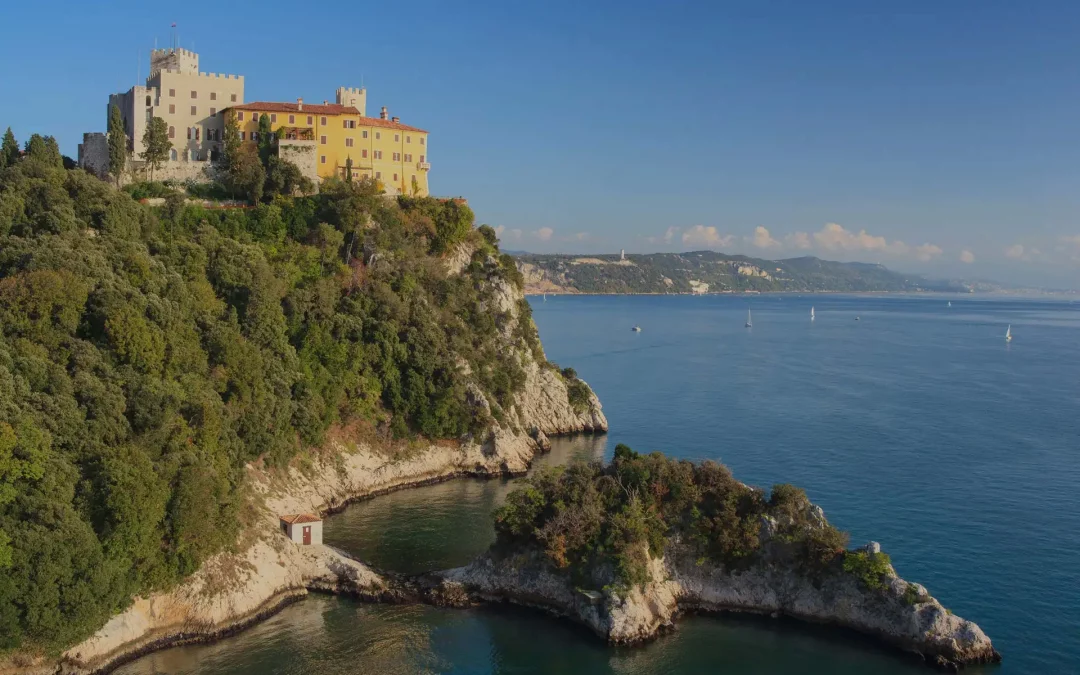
[(148, 353), (710, 271)]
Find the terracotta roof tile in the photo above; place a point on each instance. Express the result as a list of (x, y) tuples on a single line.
[(327, 109), (298, 518)]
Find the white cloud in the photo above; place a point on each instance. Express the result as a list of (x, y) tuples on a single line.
[(967, 256), (516, 234), (1015, 251), (927, 252), (499, 229), (669, 236), (799, 240), (543, 234), (834, 237), (699, 235), (762, 238), (580, 236)]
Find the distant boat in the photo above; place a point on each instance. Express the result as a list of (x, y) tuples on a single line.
[(545, 297), (749, 322), (1008, 333), (811, 313), (950, 303), (858, 318), (636, 329)]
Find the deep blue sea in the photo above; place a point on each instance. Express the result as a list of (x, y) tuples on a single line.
[(916, 426)]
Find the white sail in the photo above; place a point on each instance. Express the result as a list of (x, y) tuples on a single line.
[(811, 313), (1008, 333), (749, 321)]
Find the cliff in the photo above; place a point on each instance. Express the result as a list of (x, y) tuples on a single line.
[(235, 589), (166, 372), (919, 625)]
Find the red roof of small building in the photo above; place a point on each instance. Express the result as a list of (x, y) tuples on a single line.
[(298, 518), (324, 109)]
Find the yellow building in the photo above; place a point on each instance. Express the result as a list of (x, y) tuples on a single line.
[(394, 154)]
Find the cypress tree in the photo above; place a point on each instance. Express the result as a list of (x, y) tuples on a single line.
[(118, 152), (9, 151)]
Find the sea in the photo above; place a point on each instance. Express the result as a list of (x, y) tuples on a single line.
[(911, 422)]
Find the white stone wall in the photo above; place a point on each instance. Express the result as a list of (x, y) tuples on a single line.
[(94, 154), (195, 135), (303, 154)]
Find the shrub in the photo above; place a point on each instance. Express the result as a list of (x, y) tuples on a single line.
[(870, 568), (148, 190), (579, 395)]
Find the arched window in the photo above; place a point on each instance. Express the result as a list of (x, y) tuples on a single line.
[(148, 101)]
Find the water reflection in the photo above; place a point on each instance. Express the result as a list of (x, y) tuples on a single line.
[(438, 526)]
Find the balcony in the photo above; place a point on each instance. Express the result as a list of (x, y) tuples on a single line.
[(423, 166)]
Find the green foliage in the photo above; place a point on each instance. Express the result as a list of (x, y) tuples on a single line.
[(284, 178), (9, 149), (118, 144), (156, 143), (871, 569), (601, 525), (148, 190), (911, 594), (148, 353), (452, 219), (46, 150), (578, 394)]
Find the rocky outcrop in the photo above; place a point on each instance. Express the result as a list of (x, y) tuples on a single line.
[(901, 614)]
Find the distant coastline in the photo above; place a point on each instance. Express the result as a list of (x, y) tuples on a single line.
[(713, 273)]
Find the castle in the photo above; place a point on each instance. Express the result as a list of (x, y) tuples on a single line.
[(323, 140)]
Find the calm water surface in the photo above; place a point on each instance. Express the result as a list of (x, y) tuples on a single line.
[(916, 426)]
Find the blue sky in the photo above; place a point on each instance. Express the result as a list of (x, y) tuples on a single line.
[(918, 134)]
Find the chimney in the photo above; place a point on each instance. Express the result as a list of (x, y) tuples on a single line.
[(383, 115), (325, 102), (300, 104), (395, 119)]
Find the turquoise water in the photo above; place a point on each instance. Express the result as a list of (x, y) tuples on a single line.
[(916, 426)]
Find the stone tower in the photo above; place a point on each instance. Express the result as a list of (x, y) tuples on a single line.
[(356, 98)]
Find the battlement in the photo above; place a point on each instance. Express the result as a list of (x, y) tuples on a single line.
[(175, 50), (352, 90), (214, 76)]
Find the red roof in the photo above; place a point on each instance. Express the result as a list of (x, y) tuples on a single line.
[(298, 518), (327, 109)]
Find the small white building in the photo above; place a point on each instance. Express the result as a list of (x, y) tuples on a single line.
[(302, 528)]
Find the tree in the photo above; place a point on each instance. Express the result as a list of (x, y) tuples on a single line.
[(118, 149), (231, 145), (348, 169), (266, 140), (157, 144), (284, 178), (247, 177), (415, 187), (9, 151)]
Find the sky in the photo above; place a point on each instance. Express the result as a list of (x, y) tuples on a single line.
[(934, 137)]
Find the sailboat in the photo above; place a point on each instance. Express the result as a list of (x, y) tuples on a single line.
[(950, 303), (545, 297), (811, 313), (749, 323), (1008, 333)]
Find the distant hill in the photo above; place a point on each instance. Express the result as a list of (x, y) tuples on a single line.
[(712, 272)]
